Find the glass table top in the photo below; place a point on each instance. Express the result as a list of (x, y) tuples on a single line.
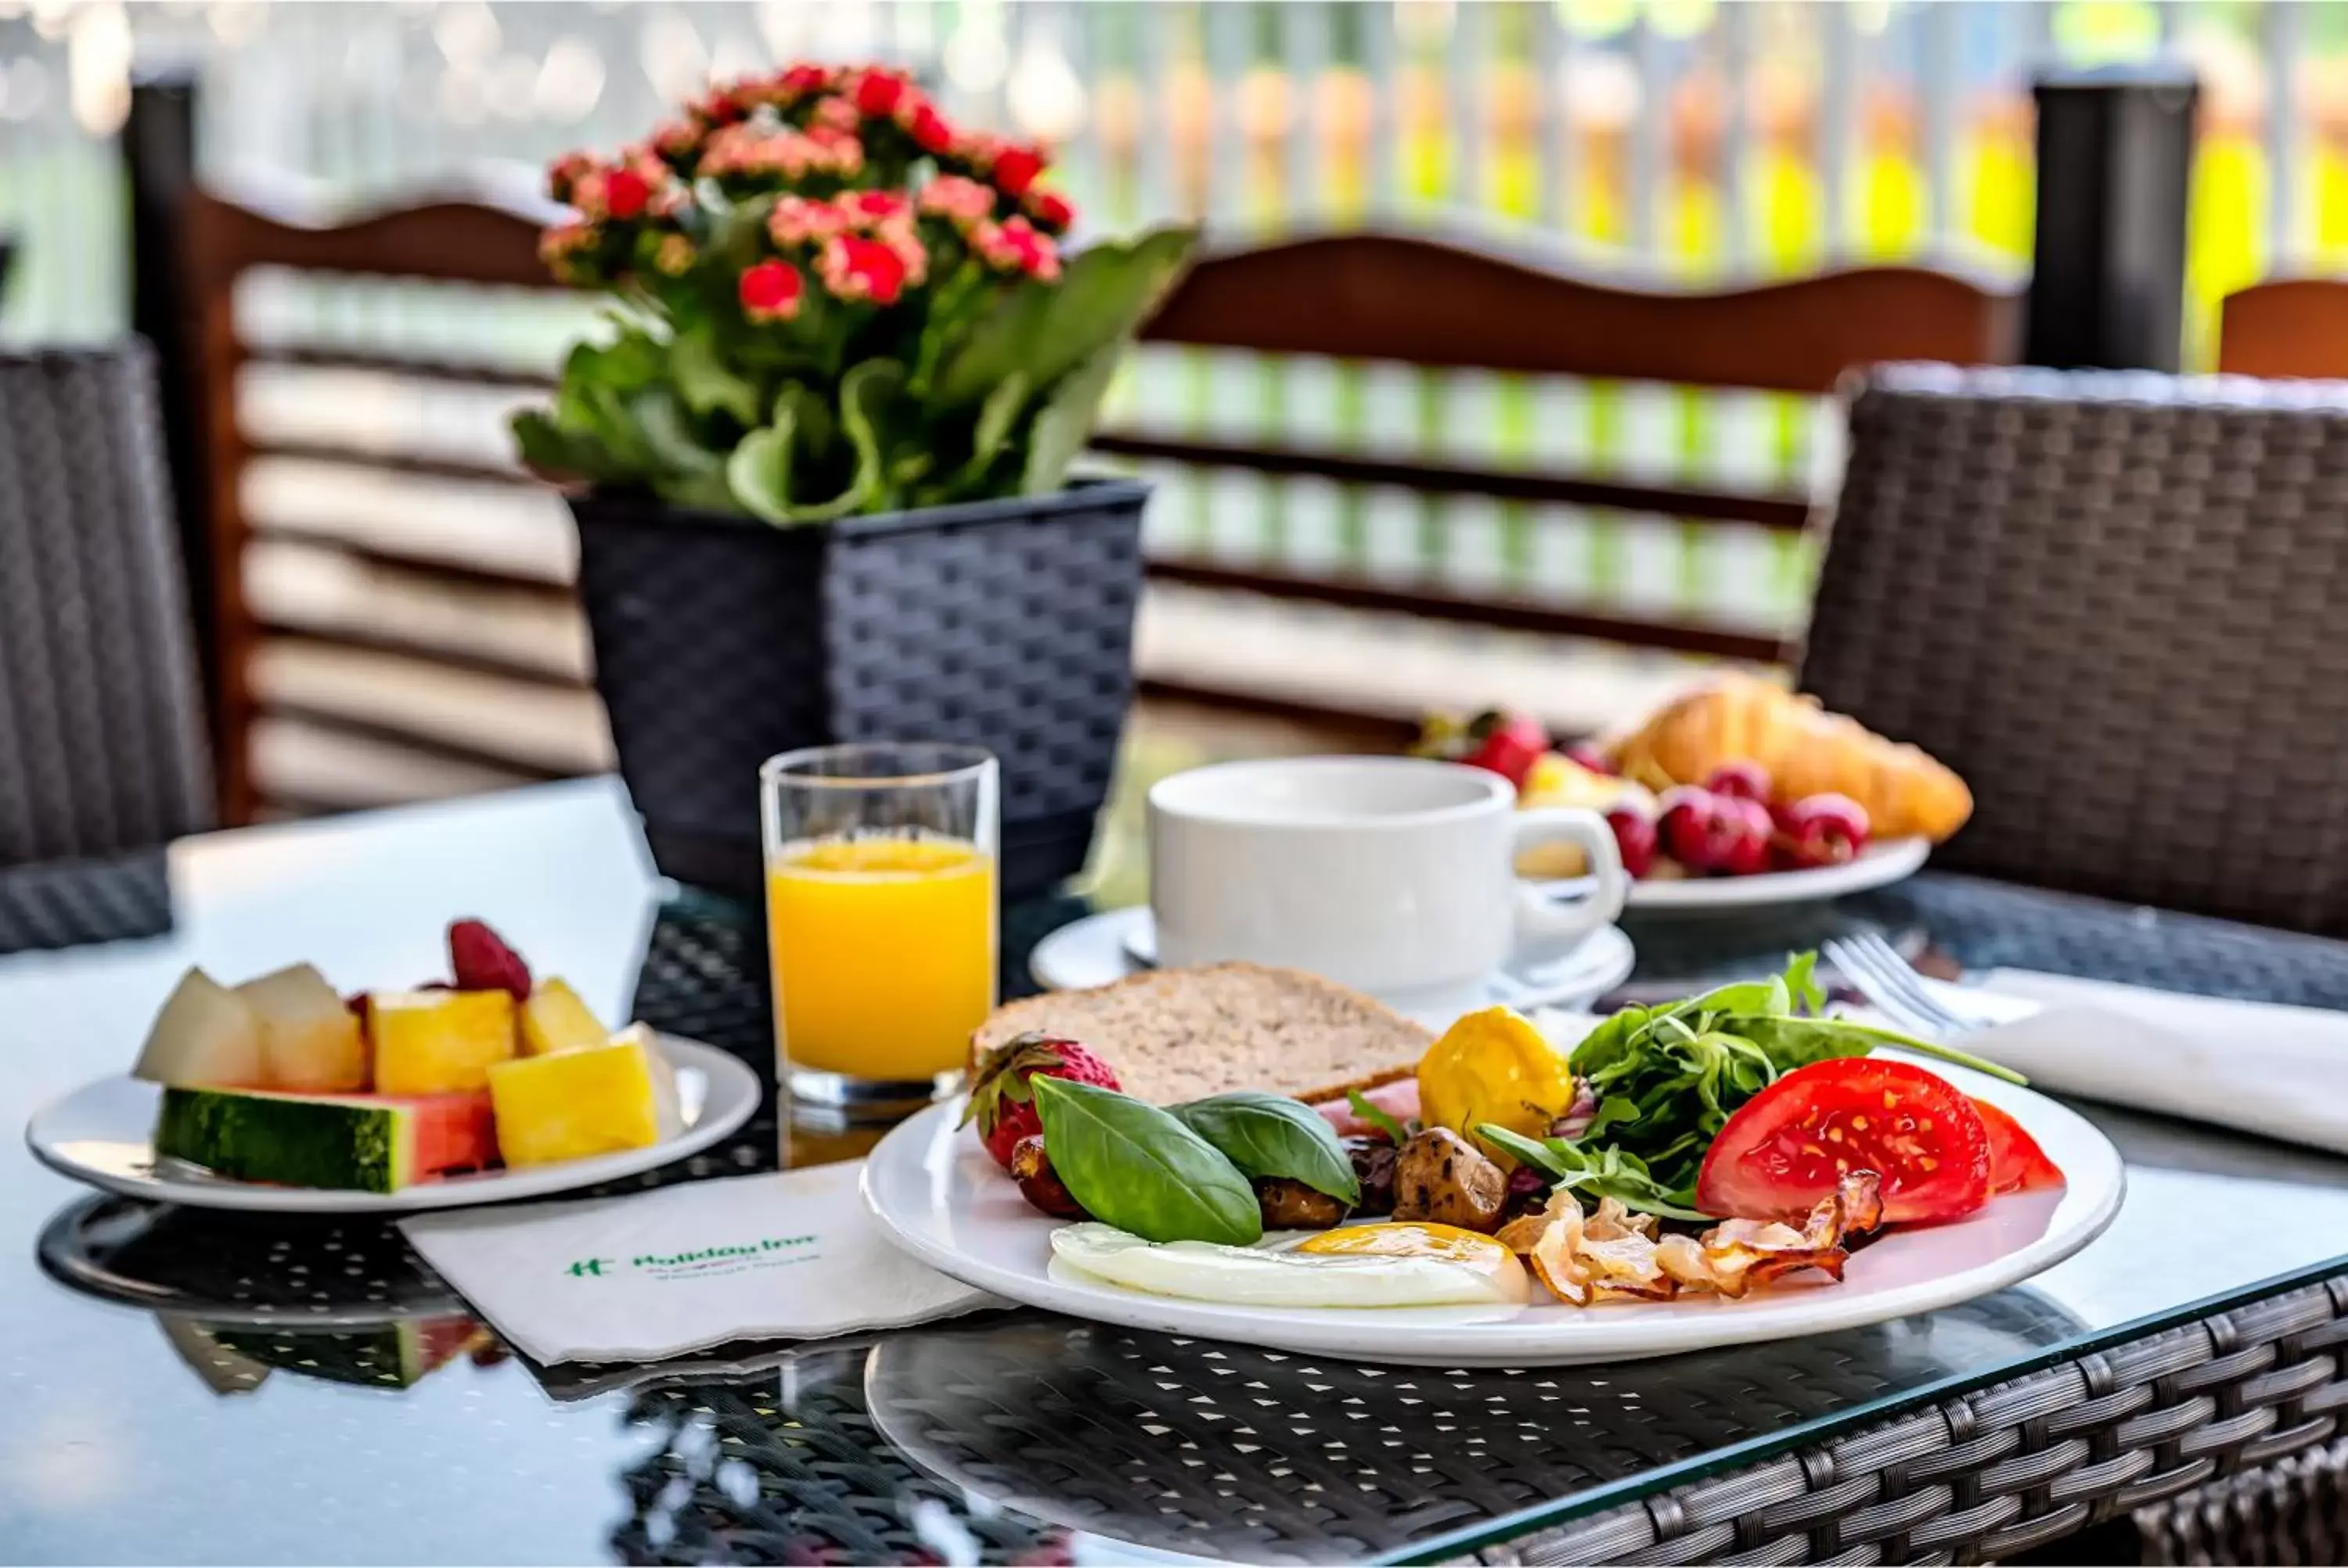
[(175, 1385)]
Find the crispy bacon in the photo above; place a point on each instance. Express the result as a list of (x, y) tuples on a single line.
[(1614, 1254)]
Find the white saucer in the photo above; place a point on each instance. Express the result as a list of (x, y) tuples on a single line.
[(1107, 947)]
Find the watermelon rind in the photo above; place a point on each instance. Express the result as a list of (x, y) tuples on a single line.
[(291, 1140)]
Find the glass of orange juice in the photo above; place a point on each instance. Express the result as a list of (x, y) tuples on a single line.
[(880, 917)]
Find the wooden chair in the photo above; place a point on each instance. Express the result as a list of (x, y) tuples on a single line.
[(2291, 327), (417, 618), (1440, 308)]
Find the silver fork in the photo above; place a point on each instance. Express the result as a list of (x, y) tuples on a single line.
[(1896, 989)]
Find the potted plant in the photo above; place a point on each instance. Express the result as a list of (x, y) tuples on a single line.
[(819, 462)]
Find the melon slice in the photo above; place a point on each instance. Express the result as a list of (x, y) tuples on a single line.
[(206, 1036), (439, 1042), (309, 1040), (575, 1103), (365, 1142), (554, 1018)]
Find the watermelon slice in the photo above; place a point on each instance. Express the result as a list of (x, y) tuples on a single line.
[(365, 1142)]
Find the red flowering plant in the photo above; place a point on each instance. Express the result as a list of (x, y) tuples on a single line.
[(831, 300)]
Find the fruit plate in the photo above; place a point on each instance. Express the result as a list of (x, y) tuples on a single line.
[(1878, 866), (938, 1196), (102, 1133)]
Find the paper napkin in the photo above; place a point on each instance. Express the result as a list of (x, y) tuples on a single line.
[(789, 1256), (2264, 1067)]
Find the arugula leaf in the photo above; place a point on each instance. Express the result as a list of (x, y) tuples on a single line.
[(1668, 1078), (1376, 1117)]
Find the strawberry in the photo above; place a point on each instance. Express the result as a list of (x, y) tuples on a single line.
[(481, 961), (1003, 1104)]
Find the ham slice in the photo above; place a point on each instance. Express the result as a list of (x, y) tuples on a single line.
[(1399, 1099)]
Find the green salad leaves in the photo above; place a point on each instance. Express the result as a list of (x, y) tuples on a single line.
[(1666, 1078)]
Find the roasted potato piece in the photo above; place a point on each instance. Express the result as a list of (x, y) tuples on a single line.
[(1292, 1206), (1441, 1177)]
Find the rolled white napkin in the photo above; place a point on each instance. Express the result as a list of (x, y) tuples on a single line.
[(2262, 1067), (789, 1256)]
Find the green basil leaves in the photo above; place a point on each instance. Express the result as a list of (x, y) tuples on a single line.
[(1138, 1168), (1274, 1135)]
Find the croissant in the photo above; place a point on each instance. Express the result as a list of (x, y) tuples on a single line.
[(1806, 749)]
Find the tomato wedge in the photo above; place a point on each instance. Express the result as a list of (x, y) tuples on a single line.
[(2016, 1163), (1784, 1149)]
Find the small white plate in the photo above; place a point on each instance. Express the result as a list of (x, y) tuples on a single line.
[(1878, 866), (938, 1196), (1101, 948), (103, 1134)]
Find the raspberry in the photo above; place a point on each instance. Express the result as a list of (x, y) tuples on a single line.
[(480, 960)]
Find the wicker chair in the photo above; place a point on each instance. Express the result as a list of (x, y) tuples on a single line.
[(2109, 601), (102, 750)]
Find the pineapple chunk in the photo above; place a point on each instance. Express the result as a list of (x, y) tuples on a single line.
[(439, 1042), (554, 1018), (665, 1103), (309, 1040), (596, 1100), (206, 1037)]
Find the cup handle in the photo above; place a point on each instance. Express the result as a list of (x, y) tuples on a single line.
[(1546, 927)]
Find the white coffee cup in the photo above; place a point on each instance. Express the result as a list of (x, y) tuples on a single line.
[(1396, 875)]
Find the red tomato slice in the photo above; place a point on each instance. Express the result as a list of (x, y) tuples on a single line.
[(1784, 1149), (2016, 1163)]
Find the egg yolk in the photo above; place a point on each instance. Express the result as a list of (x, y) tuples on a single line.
[(1448, 1242)]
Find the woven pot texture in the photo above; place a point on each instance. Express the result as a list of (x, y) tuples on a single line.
[(720, 642)]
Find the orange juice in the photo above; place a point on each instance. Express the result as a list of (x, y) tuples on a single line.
[(883, 953)]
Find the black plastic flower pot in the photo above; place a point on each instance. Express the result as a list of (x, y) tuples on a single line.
[(720, 640)]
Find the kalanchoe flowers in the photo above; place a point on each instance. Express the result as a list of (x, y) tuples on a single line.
[(770, 292), (1014, 245), (807, 263)]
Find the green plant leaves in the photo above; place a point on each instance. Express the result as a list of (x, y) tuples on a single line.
[(1138, 1168), (759, 474), (1274, 1135), (703, 379), (1047, 330), (1065, 423), (767, 469), (820, 417)]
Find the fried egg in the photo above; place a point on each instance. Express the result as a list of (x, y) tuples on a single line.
[(1356, 1265)]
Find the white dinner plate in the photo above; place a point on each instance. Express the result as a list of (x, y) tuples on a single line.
[(1878, 866), (938, 1195), (1107, 947), (103, 1134)]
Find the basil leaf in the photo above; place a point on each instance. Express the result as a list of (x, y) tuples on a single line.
[(1138, 1168), (1274, 1135), (1376, 1117)]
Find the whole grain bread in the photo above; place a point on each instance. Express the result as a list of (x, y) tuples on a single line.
[(1172, 1035)]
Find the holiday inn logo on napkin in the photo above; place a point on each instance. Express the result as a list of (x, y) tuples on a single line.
[(760, 1254), (793, 1255)]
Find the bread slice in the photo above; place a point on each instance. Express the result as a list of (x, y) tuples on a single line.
[(1173, 1035)]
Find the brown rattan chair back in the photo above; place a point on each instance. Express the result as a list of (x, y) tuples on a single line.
[(101, 749), (2109, 601)]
